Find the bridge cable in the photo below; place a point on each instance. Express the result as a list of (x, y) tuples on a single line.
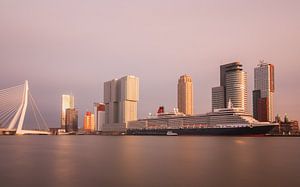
[(8, 117), (13, 87), (41, 116), (34, 112), (5, 113), (10, 102)]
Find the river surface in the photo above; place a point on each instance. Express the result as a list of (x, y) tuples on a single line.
[(149, 161)]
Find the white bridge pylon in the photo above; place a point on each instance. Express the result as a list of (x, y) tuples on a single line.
[(13, 107)]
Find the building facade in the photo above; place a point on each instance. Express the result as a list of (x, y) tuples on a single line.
[(67, 101), (71, 120), (263, 94), (218, 97), (89, 122), (236, 88), (233, 86), (120, 98), (185, 94), (99, 112)]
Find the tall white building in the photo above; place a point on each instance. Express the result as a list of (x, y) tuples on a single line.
[(233, 86), (263, 94), (67, 102), (120, 98)]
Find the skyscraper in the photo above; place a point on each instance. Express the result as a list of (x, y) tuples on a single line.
[(71, 120), (233, 86), (185, 95), (120, 98), (67, 101), (263, 94)]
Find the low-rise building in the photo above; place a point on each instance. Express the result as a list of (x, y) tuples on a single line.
[(89, 122)]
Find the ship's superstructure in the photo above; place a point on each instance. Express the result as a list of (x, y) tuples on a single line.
[(220, 117), (220, 121)]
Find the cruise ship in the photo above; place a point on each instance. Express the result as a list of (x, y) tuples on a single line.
[(227, 122)]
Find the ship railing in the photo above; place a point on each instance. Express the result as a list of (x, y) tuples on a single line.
[(193, 126), (232, 125)]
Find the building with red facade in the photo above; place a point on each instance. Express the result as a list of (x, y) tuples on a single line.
[(263, 94)]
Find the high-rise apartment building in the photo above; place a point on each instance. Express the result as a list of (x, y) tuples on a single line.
[(218, 97), (120, 98), (89, 122), (71, 120), (185, 95), (99, 111), (263, 94), (233, 86), (67, 102)]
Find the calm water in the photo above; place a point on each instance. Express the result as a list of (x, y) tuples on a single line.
[(148, 161)]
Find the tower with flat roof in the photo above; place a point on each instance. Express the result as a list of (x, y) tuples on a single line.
[(67, 102), (120, 98), (263, 94), (71, 120), (99, 111), (89, 122), (185, 95)]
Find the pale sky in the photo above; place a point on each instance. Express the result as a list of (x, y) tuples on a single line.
[(73, 46)]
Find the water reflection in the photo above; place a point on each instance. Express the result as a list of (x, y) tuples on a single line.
[(63, 165), (148, 161)]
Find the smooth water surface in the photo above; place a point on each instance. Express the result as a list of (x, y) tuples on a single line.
[(149, 161)]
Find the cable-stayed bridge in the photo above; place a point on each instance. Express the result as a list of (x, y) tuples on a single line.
[(14, 102)]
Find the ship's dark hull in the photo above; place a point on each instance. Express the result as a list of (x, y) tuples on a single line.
[(230, 131)]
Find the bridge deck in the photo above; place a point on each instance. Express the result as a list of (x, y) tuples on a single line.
[(33, 132), (23, 132)]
